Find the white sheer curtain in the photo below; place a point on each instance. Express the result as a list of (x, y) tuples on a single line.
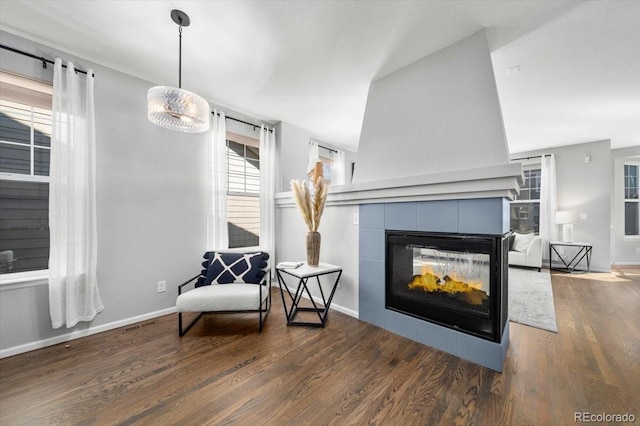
[(314, 156), (267, 190), (217, 227), (338, 175), (548, 200), (73, 253)]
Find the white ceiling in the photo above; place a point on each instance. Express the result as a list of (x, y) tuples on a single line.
[(309, 63)]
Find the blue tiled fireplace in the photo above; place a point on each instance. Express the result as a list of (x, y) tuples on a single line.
[(475, 216)]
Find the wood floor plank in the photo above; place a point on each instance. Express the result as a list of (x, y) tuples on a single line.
[(224, 372)]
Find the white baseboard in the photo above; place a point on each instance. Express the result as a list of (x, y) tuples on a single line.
[(82, 333), (595, 270), (345, 311), (121, 323)]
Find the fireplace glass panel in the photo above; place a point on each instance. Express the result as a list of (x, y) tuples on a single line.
[(453, 280)]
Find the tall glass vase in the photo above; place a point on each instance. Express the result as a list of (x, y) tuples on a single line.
[(313, 248)]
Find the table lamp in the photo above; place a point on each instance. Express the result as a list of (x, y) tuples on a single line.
[(567, 218)]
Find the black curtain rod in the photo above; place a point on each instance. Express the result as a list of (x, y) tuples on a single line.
[(44, 61), (324, 147), (531, 158), (328, 149), (255, 126)]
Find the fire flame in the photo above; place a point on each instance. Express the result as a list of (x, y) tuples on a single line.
[(452, 284)]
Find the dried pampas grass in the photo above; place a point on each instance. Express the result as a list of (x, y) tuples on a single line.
[(311, 209)]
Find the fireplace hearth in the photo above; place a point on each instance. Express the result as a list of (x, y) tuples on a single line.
[(457, 280)]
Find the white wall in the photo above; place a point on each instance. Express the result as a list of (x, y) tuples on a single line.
[(292, 152), (624, 248), (339, 244), (438, 114), (150, 202), (586, 188)]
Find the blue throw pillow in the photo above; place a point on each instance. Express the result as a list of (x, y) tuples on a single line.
[(225, 268)]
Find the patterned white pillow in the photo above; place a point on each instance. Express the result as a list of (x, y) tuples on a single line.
[(226, 268)]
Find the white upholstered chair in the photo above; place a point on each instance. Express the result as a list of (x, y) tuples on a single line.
[(231, 282)]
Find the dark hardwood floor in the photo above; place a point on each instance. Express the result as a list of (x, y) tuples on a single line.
[(351, 372)]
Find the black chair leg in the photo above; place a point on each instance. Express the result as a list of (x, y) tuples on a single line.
[(266, 309), (180, 330)]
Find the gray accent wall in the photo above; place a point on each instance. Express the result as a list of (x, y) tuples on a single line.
[(150, 206)]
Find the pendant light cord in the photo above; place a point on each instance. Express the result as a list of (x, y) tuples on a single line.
[(180, 57)]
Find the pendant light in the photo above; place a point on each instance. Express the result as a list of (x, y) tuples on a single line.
[(175, 108)]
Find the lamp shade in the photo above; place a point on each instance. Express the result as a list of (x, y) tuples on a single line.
[(566, 217), (178, 109)]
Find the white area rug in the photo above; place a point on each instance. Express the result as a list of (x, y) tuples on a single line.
[(531, 299)]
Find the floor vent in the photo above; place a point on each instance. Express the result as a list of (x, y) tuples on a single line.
[(139, 326)]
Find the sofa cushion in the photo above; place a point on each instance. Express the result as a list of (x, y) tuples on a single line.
[(521, 242), (228, 267)]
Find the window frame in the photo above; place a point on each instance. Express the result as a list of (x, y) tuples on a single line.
[(528, 168), (626, 200), (246, 142), (34, 94)]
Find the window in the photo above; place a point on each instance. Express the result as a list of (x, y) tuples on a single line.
[(631, 201), (525, 209), (327, 165), (25, 145), (243, 196)]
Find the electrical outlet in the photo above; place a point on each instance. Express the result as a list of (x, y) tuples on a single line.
[(162, 286), (356, 219)]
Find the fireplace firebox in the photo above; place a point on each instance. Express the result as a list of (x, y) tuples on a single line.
[(454, 280)]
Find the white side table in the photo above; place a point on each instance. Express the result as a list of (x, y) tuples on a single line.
[(584, 252), (303, 273)]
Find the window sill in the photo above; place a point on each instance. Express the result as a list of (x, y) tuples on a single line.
[(20, 280), (631, 238)]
